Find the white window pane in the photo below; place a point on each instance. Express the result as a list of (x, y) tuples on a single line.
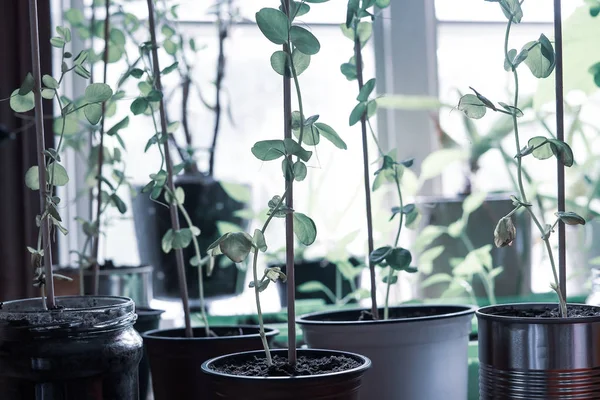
[(480, 10)]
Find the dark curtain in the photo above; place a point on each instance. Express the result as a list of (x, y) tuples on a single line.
[(18, 204)]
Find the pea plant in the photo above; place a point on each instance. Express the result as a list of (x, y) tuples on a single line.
[(161, 186), (392, 257), (280, 27), (540, 58), (50, 173)]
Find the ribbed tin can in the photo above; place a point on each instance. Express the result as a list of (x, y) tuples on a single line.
[(538, 358)]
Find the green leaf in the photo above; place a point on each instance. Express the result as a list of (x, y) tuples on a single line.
[(136, 73), (170, 68), (349, 71), (540, 58), (304, 40), (570, 218), (511, 9), (267, 150), (473, 202), (305, 229), (509, 61), (57, 42), (182, 238), (154, 95), (82, 71), (382, 3), (139, 105), (167, 241), (119, 203), (57, 174), (97, 93), (427, 258), (427, 236), (399, 259), (330, 134), (279, 62), (170, 46), (299, 171), (93, 113), (20, 103), (456, 228), (353, 6), (32, 178), (297, 9), (366, 90), (313, 287), (472, 106), (259, 240), (81, 57), (513, 110), (50, 82), (238, 192), (546, 148), (273, 24), (27, 85), (358, 113), (292, 147), (435, 163), (48, 94), (378, 255), (124, 123), (392, 281), (236, 246)]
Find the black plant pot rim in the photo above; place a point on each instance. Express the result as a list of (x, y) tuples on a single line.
[(159, 334), (487, 313), (446, 311), (144, 310), (366, 364)]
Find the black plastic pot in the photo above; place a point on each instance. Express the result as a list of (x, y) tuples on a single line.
[(342, 385), (85, 350), (321, 271), (175, 361), (207, 203), (148, 319)]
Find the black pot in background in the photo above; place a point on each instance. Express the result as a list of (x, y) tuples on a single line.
[(538, 358), (515, 280), (342, 385), (322, 271), (207, 203), (147, 320), (175, 361), (85, 350)]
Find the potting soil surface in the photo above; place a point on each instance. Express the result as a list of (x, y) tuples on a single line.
[(548, 312), (304, 366)]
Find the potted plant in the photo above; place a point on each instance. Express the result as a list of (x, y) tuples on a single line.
[(52, 346), (536, 350), (418, 352), (175, 355), (210, 201), (282, 374)]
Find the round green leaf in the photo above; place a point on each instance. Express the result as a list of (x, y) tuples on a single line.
[(50, 82), (57, 174), (97, 93), (540, 59), (570, 218), (299, 171), (139, 105), (304, 40), (357, 113), (93, 113), (378, 255), (32, 178), (273, 24), (267, 150), (236, 246), (305, 229), (399, 259), (472, 106), (382, 3), (20, 103)]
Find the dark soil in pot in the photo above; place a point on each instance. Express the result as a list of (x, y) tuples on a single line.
[(573, 311), (86, 349), (321, 271), (207, 203), (175, 361), (319, 374)]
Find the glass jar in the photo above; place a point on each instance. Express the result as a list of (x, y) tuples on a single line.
[(86, 349)]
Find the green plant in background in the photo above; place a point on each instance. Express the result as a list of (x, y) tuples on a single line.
[(477, 261), (50, 173), (539, 56), (299, 44), (393, 257)]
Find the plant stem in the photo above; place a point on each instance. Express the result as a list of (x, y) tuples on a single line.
[(100, 162), (560, 133), (289, 183), (169, 164), (49, 299), (189, 223), (261, 323), (386, 312), (365, 149)]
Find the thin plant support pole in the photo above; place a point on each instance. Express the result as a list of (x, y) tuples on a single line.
[(40, 148), (365, 147), (169, 163), (223, 33), (289, 217), (560, 135), (100, 161)]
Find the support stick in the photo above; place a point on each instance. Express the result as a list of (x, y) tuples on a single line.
[(40, 148), (560, 135), (172, 207)]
